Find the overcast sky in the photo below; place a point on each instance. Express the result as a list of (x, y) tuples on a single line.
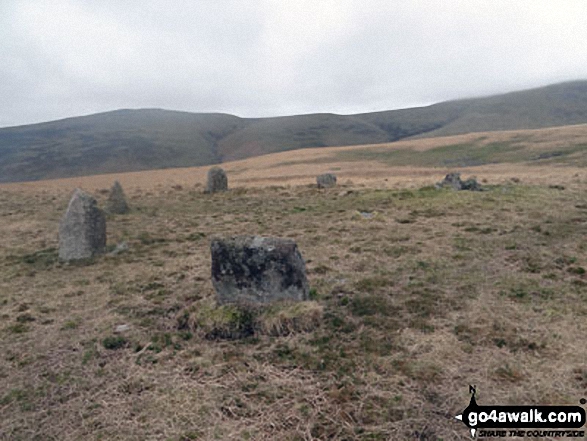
[(251, 58)]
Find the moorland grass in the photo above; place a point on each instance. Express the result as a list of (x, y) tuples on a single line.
[(484, 288)]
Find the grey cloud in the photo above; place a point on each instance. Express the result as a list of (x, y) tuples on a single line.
[(262, 58)]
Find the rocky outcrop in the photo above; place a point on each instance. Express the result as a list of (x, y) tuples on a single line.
[(217, 180), (453, 180)]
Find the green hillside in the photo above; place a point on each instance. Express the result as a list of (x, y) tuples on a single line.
[(271, 135), (132, 140), (556, 105), (123, 140)]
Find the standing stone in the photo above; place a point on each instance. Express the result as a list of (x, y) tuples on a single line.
[(326, 180), (258, 270), (116, 202), (82, 231), (217, 180)]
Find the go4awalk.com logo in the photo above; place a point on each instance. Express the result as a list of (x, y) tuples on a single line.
[(524, 421)]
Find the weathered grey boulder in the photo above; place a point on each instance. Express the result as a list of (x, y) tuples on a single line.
[(258, 270), (217, 180), (82, 231), (327, 180), (453, 180), (116, 202)]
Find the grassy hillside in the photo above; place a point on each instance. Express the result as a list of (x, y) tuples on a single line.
[(471, 153), (416, 294), (270, 135), (556, 105), (122, 140), (130, 140), (535, 156)]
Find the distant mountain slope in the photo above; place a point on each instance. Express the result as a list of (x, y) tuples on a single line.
[(271, 135), (556, 105), (123, 140), (131, 140)]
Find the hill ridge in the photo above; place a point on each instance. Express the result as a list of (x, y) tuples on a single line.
[(152, 138)]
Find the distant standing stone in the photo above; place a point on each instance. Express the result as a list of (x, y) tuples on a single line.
[(258, 270), (326, 180), (116, 202), (82, 231), (217, 180)]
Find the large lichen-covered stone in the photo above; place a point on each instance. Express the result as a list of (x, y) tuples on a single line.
[(217, 180), (327, 180), (82, 231), (116, 202), (258, 270)]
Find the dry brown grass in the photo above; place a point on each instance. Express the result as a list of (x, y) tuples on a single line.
[(439, 290), (300, 167)]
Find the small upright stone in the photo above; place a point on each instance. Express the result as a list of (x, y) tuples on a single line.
[(258, 270), (217, 180), (326, 180), (116, 202), (82, 231)]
